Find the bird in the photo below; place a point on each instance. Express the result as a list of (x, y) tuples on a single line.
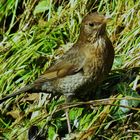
[(80, 69)]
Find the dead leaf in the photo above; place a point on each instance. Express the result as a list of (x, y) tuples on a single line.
[(15, 113)]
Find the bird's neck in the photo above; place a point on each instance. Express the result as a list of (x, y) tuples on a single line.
[(83, 37)]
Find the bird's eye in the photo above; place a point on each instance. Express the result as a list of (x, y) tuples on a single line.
[(91, 24)]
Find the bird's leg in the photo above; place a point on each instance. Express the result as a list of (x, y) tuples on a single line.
[(68, 120), (68, 99)]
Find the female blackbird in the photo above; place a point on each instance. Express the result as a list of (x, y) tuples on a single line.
[(81, 69)]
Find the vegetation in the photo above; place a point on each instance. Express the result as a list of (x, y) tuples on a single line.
[(35, 33)]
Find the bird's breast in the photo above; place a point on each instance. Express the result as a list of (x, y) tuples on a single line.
[(95, 58)]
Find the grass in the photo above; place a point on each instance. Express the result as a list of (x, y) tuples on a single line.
[(35, 33)]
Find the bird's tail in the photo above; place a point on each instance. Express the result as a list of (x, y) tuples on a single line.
[(18, 92)]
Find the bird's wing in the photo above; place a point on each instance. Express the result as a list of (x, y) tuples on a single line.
[(71, 62)]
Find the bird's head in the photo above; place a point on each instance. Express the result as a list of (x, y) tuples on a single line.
[(93, 24)]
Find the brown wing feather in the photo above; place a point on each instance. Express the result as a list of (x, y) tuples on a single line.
[(66, 65)]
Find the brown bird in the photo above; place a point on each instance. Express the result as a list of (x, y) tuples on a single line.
[(81, 69)]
